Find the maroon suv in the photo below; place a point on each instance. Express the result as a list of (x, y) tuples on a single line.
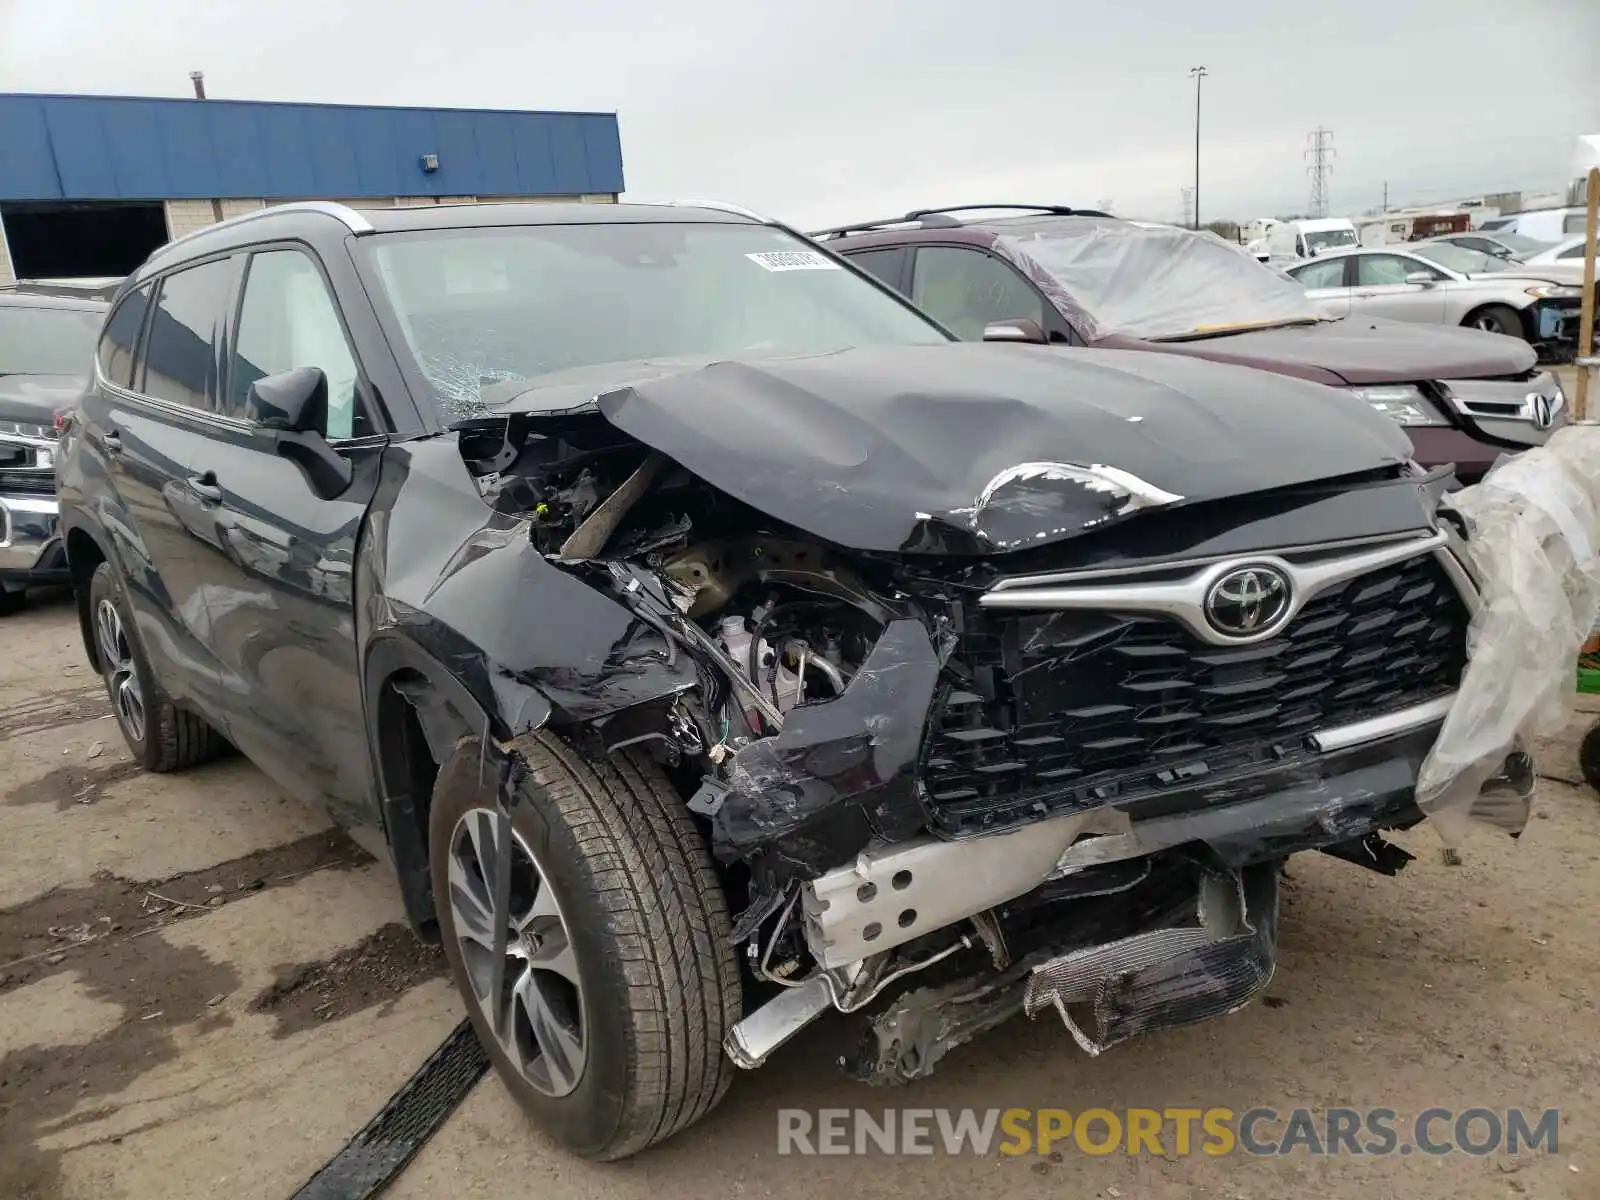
[(1073, 277)]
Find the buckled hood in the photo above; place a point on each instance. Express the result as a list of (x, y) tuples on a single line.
[(980, 449)]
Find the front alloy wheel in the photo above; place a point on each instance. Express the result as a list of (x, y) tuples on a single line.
[(528, 985), (587, 932), (116, 664)]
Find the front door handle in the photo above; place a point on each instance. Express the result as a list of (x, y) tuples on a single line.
[(111, 442), (205, 486)]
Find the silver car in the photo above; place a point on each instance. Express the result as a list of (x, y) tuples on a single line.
[(1512, 247), (1565, 252), (1437, 283)]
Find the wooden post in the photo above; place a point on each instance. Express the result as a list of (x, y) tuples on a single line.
[(1586, 361)]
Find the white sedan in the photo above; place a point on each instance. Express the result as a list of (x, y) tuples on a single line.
[(1565, 252), (1441, 284)]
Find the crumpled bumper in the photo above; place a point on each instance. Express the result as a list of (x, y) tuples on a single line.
[(893, 893)]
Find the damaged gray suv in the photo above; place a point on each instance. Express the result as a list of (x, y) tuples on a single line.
[(711, 643)]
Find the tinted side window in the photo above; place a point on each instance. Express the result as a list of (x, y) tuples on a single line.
[(887, 264), (1572, 252), (288, 320), (1321, 275), (968, 289), (121, 337), (180, 357)]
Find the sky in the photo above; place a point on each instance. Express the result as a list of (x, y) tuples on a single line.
[(833, 110)]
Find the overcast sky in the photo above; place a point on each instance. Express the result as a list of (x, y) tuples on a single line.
[(825, 110)]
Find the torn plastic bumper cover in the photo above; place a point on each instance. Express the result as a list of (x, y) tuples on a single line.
[(1205, 957), (863, 746)]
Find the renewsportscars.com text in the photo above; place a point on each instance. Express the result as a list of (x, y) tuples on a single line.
[(1163, 1132)]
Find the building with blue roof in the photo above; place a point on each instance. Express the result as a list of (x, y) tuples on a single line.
[(89, 185)]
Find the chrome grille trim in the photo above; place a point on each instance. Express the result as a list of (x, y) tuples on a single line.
[(1183, 600), (1017, 582), (1342, 737)]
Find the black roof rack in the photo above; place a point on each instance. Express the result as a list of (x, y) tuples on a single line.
[(940, 218)]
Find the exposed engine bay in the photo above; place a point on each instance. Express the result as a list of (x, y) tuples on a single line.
[(942, 789)]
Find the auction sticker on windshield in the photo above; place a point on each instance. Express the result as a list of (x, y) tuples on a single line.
[(792, 260)]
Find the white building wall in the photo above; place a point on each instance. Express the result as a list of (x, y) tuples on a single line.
[(186, 216), (6, 273)]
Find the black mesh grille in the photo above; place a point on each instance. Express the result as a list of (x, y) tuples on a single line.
[(1067, 709), (33, 483)]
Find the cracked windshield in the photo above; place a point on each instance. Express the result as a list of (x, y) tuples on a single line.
[(489, 305)]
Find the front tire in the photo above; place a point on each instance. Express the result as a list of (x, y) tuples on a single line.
[(1497, 318), (161, 736), (619, 978)]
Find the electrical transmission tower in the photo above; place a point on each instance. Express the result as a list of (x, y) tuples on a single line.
[(1319, 152), (1188, 205)]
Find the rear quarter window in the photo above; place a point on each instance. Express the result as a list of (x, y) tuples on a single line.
[(120, 337), (180, 363)]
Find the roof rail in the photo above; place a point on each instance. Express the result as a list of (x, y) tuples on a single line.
[(940, 218), (737, 210), (352, 219), (1054, 210), (931, 221)]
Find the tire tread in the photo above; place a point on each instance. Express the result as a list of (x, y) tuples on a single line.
[(175, 739), (669, 925)]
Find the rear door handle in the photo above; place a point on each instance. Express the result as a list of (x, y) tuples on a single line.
[(205, 486)]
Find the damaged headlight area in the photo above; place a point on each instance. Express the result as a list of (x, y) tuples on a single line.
[(1402, 402), (944, 789)]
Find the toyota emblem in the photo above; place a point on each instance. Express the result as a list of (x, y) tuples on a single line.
[(1248, 601)]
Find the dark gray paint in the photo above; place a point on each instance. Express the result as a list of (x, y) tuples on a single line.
[(883, 448)]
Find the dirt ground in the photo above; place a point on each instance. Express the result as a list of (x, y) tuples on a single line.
[(205, 990)]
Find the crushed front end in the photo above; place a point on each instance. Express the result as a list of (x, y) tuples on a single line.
[(1080, 784), (1042, 751)]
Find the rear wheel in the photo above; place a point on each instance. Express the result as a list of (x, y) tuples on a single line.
[(161, 736), (1589, 757), (605, 1010), (1496, 318)]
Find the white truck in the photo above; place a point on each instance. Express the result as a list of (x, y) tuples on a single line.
[(1290, 241)]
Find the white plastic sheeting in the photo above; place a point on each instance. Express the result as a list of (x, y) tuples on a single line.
[(1157, 281), (1535, 543)]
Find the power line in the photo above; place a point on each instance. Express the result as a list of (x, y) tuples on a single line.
[(1320, 152)]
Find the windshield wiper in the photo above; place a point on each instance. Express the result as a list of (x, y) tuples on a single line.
[(1211, 331)]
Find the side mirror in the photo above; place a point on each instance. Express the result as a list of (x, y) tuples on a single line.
[(1420, 278), (1022, 330), (296, 401), (293, 407)]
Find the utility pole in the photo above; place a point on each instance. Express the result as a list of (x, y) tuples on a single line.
[(1385, 195), (1197, 74), (1319, 151), (198, 78), (1188, 204)]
